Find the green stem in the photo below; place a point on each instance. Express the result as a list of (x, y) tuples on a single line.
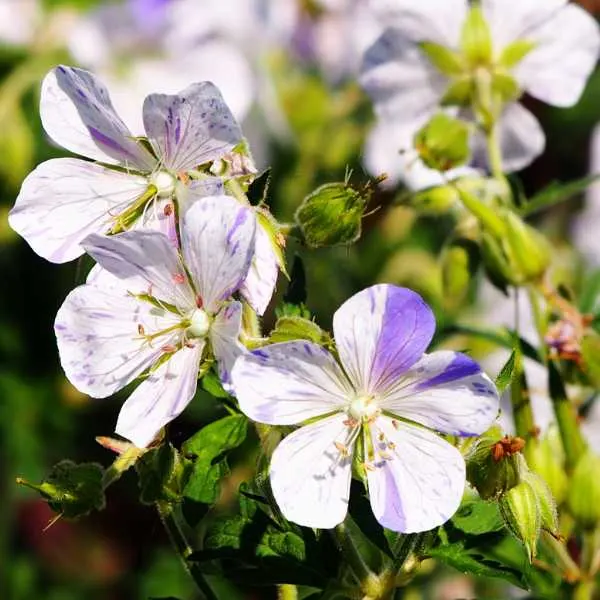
[(170, 519), (494, 153), (353, 556), (584, 590), (521, 404)]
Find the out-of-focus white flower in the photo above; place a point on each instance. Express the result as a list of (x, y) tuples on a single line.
[(546, 48), (384, 402), (143, 315), (19, 20)]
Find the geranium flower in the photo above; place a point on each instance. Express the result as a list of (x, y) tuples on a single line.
[(148, 313), (381, 405), (480, 57)]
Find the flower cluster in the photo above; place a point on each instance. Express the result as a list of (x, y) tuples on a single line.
[(175, 253)]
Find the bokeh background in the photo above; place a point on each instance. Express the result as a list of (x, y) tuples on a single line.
[(288, 70)]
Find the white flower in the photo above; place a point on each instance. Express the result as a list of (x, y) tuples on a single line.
[(65, 199), (143, 314), (546, 48), (382, 403)]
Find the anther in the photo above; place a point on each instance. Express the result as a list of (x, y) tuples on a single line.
[(141, 329), (179, 278), (168, 348)]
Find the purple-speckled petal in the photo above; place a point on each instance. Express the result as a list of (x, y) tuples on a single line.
[(217, 239), (224, 339), (380, 333), (445, 391), (161, 397), (146, 262), (77, 113), (417, 479), (99, 342), (287, 383), (190, 128)]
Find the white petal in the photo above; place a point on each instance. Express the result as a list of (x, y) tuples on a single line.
[(224, 339), (99, 342), (510, 20), (65, 199), (190, 128), (380, 333), (522, 139), (287, 383), (445, 391), (400, 80), (419, 481), (77, 113), (217, 239), (146, 262), (161, 397), (309, 476), (259, 285), (557, 70), (438, 21)]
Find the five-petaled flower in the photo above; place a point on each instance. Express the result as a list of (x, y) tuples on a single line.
[(146, 313), (477, 58), (382, 404)]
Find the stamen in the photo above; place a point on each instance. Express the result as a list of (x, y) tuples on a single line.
[(341, 449), (141, 330)]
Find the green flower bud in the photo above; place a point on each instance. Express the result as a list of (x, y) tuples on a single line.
[(584, 492), (460, 260), (547, 504), (544, 460), (443, 143), (435, 200), (494, 464), (520, 509)]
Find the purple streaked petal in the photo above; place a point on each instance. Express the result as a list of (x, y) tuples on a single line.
[(218, 244), (99, 342), (418, 478), (380, 333), (65, 199), (309, 476), (146, 262), (77, 113), (224, 339), (445, 391), (161, 397), (287, 383), (190, 128)]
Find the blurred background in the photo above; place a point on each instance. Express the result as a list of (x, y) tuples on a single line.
[(288, 70)]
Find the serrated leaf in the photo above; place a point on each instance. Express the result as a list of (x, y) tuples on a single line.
[(297, 328), (72, 490), (555, 193), (332, 215), (477, 517), (159, 471), (505, 377), (208, 449)]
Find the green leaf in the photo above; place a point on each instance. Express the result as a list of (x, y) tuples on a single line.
[(555, 193), (297, 328), (208, 449), (332, 215), (505, 377), (212, 384), (470, 561), (477, 516), (476, 38), (72, 490), (515, 52), (160, 472), (445, 59)]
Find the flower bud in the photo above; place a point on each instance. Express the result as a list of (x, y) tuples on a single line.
[(436, 200), (494, 464), (443, 143), (546, 502), (460, 260), (584, 492), (546, 462), (520, 509)]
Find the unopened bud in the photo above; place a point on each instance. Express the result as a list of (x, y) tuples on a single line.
[(443, 143), (584, 492), (546, 504), (546, 462), (460, 260), (520, 509), (494, 464)]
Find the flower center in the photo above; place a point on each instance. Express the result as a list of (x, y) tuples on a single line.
[(199, 323), (363, 408), (164, 183)]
